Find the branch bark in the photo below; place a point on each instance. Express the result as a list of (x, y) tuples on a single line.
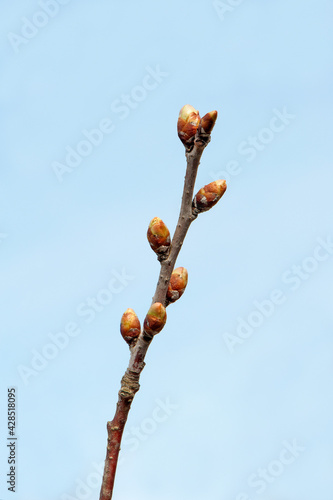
[(130, 381)]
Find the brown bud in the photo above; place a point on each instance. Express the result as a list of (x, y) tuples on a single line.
[(187, 125), (158, 236), (208, 121), (130, 326), (177, 284), (155, 319), (208, 196)]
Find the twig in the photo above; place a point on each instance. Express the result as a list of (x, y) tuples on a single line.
[(186, 217), (130, 381)]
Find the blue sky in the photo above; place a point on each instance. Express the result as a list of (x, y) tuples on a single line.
[(235, 399)]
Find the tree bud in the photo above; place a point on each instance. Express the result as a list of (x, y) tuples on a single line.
[(177, 284), (188, 123), (208, 121), (130, 326), (155, 319), (158, 236), (208, 196)]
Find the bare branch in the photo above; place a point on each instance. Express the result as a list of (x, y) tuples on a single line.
[(130, 381)]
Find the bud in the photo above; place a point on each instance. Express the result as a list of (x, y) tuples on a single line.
[(158, 236), (177, 284), (188, 123), (208, 196), (130, 326), (208, 121), (155, 319)]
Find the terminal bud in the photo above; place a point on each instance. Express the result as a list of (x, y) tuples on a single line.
[(130, 326), (208, 196), (155, 319), (208, 121), (158, 236), (177, 284), (187, 125)]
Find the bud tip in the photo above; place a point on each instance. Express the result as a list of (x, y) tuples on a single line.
[(130, 326), (177, 284), (155, 319), (158, 236), (208, 196), (188, 123)]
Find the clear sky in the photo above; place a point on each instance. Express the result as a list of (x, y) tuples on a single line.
[(235, 400)]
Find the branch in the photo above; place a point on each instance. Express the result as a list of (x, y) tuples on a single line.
[(186, 217), (195, 145)]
